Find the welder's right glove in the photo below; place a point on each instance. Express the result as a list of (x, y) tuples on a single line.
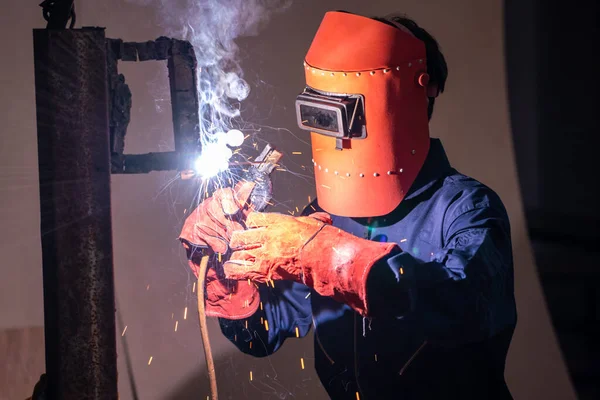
[(211, 224), (208, 230)]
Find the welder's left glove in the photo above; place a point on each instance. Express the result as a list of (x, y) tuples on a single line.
[(307, 250)]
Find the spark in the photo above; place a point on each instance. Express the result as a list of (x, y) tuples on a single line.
[(375, 357), (235, 338), (194, 287), (326, 187), (150, 360), (266, 325), (246, 324), (176, 324), (124, 330), (307, 296), (296, 152), (280, 169), (250, 344), (297, 209), (401, 271), (148, 287), (219, 255), (185, 211), (262, 321), (250, 371), (314, 209), (261, 306), (172, 315), (309, 199), (403, 240), (302, 362), (249, 284), (357, 396), (297, 332), (185, 313)]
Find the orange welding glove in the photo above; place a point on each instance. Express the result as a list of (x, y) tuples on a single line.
[(210, 227), (305, 249), (211, 224)]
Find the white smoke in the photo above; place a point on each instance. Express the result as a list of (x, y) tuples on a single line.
[(212, 26)]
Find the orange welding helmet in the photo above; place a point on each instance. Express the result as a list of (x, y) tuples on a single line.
[(365, 104)]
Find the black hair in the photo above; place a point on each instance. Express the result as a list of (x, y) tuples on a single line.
[(436, 63)]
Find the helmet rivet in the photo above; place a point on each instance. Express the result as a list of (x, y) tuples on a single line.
[(401, 170), (314, 71), (348, 174), (372, 73), (344, 74), (323, 73), (336, 173), (319, 167), (385, 71), (398, 68), (410, 64), (332, 74), (326, 169), (362, 175), (420, 61), (358, 74), (413, 152), (376, 174), (389, 172)]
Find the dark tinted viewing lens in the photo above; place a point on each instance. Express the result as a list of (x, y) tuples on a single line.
[(319, 118)]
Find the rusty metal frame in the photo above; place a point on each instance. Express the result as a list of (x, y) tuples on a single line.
[(182, 66)]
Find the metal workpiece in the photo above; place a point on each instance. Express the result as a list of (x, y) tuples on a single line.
[(183, 82), (76, 232)]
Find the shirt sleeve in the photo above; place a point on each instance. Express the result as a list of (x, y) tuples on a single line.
[(284, 312), (465, 293)]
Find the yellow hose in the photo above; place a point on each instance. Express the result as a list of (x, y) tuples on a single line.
[(210, 362)]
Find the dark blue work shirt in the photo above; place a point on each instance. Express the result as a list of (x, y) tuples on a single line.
[(442, 309)]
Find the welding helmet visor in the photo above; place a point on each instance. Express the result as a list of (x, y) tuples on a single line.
[(365, 104)]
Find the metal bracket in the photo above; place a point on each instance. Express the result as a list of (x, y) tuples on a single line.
[(182, 66)]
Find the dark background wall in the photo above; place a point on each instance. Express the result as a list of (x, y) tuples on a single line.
[(552, 70)]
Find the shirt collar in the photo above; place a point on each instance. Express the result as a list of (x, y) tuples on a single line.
[(436, 166)]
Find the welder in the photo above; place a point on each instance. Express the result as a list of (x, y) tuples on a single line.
[(402, 265)]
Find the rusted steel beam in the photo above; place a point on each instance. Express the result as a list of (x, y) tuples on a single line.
[(76, 231)]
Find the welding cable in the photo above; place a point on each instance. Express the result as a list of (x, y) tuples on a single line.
[(210, 362)]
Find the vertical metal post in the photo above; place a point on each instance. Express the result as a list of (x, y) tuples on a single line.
[(74, 170), (182, 67)]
